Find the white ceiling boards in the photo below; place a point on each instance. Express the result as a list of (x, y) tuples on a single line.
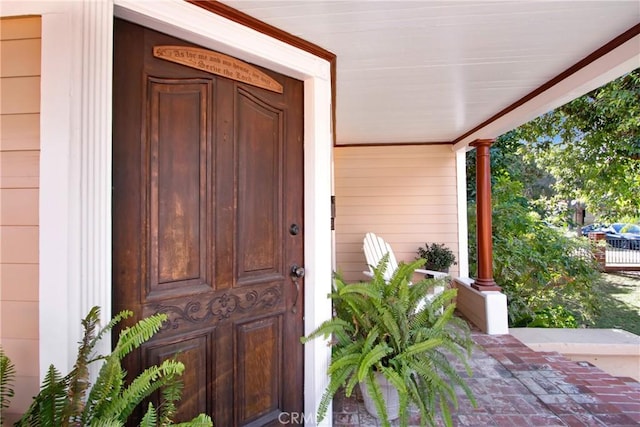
[(432, 71)]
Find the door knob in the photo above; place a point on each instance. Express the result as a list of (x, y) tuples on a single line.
[(297, 271)]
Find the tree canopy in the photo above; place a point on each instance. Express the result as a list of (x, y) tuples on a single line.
[(587, 150)]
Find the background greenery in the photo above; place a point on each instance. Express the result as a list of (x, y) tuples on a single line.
[(586, 152), (538, 267)]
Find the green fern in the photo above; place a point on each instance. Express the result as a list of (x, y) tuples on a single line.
[(136, 335), (108, 385), (387, 328), (73, 401), (145, 384), (47, 407), (150, 419), (7, 377), (171, 394), (107, 423), (201, 420)]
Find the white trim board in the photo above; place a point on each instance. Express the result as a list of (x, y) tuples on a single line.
[(75, 196)]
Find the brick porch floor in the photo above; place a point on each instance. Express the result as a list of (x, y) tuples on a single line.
[(515, 386)]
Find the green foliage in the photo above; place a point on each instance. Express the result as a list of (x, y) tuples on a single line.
[(437, 256), (509, 159), (7, 377), (72, 400), (549, 317), (537, 266), (587, 150), (389, 328)]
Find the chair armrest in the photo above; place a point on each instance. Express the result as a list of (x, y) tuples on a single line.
[(435, 274)]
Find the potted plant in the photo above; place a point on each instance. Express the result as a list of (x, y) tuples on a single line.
[(437, 257), (386, 332)]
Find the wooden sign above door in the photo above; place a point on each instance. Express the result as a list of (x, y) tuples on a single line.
[(217, 63)]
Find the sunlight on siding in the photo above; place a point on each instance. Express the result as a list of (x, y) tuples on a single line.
[(20, 41), (404, 194)]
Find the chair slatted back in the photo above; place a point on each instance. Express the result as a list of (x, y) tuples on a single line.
[(374, 249)]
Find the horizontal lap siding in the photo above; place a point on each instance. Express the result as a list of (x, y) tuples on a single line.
[(20, 44), (405, 194)]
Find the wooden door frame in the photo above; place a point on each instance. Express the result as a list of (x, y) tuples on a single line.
[(75, 160)]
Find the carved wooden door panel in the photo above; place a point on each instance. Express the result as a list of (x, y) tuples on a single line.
[(207, 177)]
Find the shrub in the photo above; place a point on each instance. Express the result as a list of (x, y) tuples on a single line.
[(537, 266), (550, 317)]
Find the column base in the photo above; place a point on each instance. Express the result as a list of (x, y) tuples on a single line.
[(485, 285)]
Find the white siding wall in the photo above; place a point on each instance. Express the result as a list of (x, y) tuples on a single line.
[(404, 194)]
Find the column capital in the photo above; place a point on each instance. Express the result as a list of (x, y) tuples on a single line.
[(482, 142)]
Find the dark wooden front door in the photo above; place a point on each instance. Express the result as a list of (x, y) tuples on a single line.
[(207, 177)]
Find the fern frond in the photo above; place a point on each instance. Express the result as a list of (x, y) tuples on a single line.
[(201, 420), (7, 378), (150, 418), (106, 422), (371, 359), (106, 389), (421, 347), (350, 360), (335, 382), (445, 411), (328, 328), (150, 380), (397, 381), (361, 289), (136, 335), (170, 394), (379, 270), (48, 405), (391, 328), (376, 396), (444, 318), (124, 314)]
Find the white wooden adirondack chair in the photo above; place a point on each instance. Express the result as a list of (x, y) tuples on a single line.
[(375, 248)]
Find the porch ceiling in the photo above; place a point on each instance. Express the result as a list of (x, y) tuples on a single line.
[(436, 71)]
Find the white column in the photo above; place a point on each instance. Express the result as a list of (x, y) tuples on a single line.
[(92, 142), (76, 175)]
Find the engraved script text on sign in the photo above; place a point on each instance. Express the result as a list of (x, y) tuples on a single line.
[(217, 63)]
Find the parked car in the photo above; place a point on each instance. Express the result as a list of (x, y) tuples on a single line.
[(621, 227), (629, 235), (591, 228), (618, 235), (623, 235)]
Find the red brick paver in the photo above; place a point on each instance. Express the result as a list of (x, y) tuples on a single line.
[(516, 386)]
